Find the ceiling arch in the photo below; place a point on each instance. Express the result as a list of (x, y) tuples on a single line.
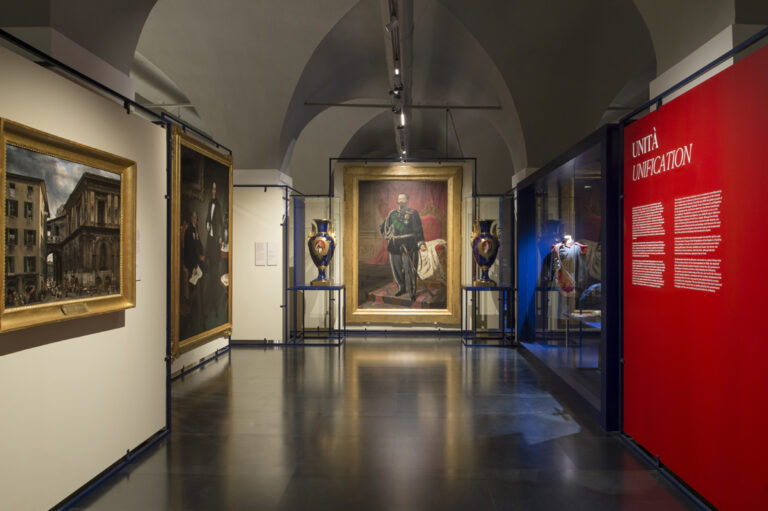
[(562, 61), (554, 75), (680, 27), (238, 62), (449, 68), (248, 68), (452, 67), (109, 29), (324, 137), (348, 64), (557, 69), (435, 138)]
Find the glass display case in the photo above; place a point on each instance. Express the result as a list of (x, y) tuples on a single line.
[(487, 291), (561, 249), (315, 224), (568, 217)]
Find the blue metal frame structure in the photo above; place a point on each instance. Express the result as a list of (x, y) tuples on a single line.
[(506, 291), (503, 335), (287, 191), (213, 357), (333, 336), (506, 235)]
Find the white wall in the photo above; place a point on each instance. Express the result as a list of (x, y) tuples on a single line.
[(257, 291), (197, 355), (76, 395), (261, 177)]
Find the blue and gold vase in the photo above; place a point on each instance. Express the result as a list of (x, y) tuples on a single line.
[(321, 243), (485, 247)]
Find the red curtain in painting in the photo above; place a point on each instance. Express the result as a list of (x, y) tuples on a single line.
[(429, 198)]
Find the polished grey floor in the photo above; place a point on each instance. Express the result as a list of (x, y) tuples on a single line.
[(408, 425)]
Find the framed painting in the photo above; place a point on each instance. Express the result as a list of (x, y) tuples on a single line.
[(70, 229), (402, 250), (201, 237)]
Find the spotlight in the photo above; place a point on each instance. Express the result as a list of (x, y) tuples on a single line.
[(393, 24), (397, 71), (395, 109), (402, 118)]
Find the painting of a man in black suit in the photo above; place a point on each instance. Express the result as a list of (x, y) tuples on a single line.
[(204, 243), (214, 236), (194, 263)]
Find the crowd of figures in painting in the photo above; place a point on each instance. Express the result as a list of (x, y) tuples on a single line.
[(61, 241)]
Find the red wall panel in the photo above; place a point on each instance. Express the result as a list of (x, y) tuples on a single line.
[(696, 285)]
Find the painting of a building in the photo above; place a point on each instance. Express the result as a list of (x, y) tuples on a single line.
[(63, 227), (83, 239), (26, 213)]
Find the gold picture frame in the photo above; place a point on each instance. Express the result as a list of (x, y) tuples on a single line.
[(77, 257), (201, 269), (354, 177)]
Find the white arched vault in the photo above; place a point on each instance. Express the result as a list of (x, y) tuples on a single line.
[(259, 75), (324, 137), (449, 68)]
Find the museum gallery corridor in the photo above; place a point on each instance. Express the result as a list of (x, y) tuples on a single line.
[(391, 425)]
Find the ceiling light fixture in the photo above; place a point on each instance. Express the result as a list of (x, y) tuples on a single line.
[(397, 71), (402, 118)]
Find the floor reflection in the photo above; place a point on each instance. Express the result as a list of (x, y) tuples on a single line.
[(379, 425)]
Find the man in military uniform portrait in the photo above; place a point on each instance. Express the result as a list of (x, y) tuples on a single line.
[(405, 237)]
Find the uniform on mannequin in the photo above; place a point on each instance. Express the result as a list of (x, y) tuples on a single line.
[(566, 255)]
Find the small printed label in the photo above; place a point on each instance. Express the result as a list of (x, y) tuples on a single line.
[(73, 309)]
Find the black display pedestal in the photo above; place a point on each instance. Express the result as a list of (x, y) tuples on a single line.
[(490, 337), (320, 336)]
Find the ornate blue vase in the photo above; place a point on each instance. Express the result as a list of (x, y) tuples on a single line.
[(485, 247), (321, 243)]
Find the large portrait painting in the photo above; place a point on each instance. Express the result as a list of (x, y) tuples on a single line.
[(70, 229), (402, 244), (201, 237)]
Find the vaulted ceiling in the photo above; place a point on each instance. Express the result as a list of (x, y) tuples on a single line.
[(288, 84), (255, 72)]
